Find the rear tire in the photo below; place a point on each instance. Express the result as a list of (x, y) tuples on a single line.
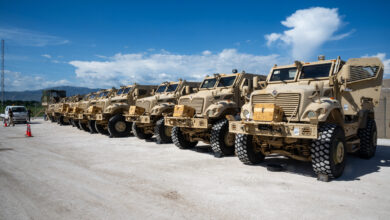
[(328, 151), (180, 140), (91, 126), (100, 128), (245, 150), (83, 126), (139, 132), (118, 127), (160, 130), (222, 142), (368, 138)]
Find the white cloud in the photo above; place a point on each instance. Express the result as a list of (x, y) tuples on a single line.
[(386, 63), (30, 38), (308, 30), (155, 68), (16, 81), (48, 56)]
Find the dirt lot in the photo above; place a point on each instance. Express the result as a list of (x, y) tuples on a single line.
[(65, 173)]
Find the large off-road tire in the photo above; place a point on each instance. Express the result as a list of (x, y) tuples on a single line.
[(328, 151), (83, 126), (245, 149), (368, 138), (61, 121), (222, 142), (52, 119), (76, 122), (71, 122), (91, 126), (180, 140), (118, 127), (139, 132), (163, 133), (100, 128)]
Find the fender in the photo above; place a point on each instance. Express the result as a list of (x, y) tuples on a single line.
[(162, 108), (220, 108), (322, 109), (117, 108)]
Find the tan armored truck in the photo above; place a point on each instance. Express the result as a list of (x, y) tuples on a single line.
[(49, 99), (147, 115), (316, 112), (202, 116), (68, 113), (80, 120), (83, 116), (95, 107), (109, 116)]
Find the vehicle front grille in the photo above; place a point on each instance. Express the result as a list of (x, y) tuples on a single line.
[(289, 102), (196, 103), (143, 104)]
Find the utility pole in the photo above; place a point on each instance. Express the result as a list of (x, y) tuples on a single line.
[(2, 72)]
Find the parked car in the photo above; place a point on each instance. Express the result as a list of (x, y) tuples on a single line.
[(20, 113)]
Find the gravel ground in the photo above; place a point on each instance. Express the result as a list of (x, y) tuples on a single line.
[(65, 173)]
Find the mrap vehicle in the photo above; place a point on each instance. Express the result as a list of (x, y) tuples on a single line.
[(316, 111)]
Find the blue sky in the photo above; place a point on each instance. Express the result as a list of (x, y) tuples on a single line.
[(110, 43)]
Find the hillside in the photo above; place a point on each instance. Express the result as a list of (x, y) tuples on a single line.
[(35, 95)]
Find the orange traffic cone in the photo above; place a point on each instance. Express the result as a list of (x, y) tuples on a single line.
[(28, 132), (5, 123)]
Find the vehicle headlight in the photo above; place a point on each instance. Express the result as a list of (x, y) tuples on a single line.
[(246, 114), (311, 114)]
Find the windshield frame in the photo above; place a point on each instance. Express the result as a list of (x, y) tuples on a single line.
[(283, 67), (217, 81), (317, 78)]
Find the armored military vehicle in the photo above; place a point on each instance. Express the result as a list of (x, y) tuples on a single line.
[(68, 112), (147, 115), (49, 99), (202, 116), (109, 115), (95, 106), (80, 120), (314, 112)]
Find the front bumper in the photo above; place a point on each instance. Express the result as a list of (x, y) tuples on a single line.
[(186, 122), (142, 119), (274, 129)]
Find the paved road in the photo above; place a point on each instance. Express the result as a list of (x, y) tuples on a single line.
[(65, 173)]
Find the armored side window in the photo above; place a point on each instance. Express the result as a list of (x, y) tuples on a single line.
[(362, 72), (283, 74), (142, 92)]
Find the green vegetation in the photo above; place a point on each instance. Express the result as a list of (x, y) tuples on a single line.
[(34, 106)]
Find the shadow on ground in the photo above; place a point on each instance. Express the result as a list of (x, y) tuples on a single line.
[(354, 169)]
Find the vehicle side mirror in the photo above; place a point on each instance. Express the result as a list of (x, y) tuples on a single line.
[(136, 92), (187, 90), (153, 91), (255, 82), (245, 91)]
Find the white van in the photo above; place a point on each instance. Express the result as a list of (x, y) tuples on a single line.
[(20, 113)]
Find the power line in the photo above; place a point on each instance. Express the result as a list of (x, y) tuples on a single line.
[(2, 72)]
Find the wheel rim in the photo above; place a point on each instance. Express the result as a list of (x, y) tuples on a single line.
[(339, 153), (229, 139), (120, 126)]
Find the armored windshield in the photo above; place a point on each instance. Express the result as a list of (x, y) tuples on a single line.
[(315, 71), (208, 83), (226, 81), (126, 90), (172, 87), (119, 92), (283, 74), (161, 89), (103, 94)]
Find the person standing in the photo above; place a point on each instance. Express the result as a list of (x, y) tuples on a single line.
[(10, 117), (29, 115)]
